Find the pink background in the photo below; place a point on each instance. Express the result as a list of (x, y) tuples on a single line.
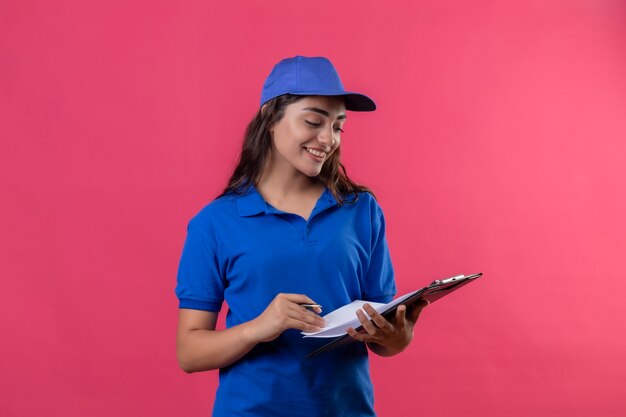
[(499, 146)]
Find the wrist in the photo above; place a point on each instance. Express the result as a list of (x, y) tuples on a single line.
[(393, 347), (384, 351), (247, 334)]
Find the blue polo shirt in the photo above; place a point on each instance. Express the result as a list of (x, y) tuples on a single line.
[(242, 251)]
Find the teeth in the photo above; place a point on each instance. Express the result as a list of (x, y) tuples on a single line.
[(319, 154)]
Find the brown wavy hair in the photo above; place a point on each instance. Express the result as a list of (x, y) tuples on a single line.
[(256, 147)]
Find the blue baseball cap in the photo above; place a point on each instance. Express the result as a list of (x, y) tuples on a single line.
[(311, 76)]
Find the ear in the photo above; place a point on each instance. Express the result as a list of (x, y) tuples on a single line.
[(264, 108), (270, 129)]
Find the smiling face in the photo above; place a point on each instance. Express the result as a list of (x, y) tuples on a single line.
[(307, 135)]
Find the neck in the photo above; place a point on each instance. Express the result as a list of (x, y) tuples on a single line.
[(282, 179), (278, 185)]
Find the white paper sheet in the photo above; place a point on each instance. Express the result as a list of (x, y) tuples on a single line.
[(339, 320)]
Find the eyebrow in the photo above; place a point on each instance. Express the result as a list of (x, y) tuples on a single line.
[(323, 112)]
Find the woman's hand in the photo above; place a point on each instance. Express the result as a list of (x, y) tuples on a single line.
[(284, 312), (384, 337), (200, 347)]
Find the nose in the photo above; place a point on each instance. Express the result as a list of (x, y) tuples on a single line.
[(327, 137)]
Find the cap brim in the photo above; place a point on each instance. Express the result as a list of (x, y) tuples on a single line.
[(353, 101), (359, 102)]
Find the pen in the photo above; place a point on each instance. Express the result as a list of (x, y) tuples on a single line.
[(311, 306)]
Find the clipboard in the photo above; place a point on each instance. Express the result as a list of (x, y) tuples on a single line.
[(433, 292)]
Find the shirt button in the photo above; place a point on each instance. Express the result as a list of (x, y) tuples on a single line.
[(308, 229)]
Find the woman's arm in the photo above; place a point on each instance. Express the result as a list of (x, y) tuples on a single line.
[(383, 337), (200, 347), (198, 343)]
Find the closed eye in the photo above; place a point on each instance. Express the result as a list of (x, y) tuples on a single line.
[(314, 124)]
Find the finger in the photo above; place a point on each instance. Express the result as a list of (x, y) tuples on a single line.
[(379, 320), (417, 310), (302, 299), (401, 315), (366, 323), (300, 325), (356, 335), (299, 313), (299, 298), (302, 314)]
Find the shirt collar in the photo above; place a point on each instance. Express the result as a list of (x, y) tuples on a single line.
[(326, 201), (252, 203)]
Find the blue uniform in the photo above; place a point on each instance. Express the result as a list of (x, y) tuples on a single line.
[(241, 250)]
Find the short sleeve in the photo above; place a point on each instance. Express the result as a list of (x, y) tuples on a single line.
[(200, 282), (380, 284)]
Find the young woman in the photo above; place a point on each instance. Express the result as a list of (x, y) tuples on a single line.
[(290, 229)]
